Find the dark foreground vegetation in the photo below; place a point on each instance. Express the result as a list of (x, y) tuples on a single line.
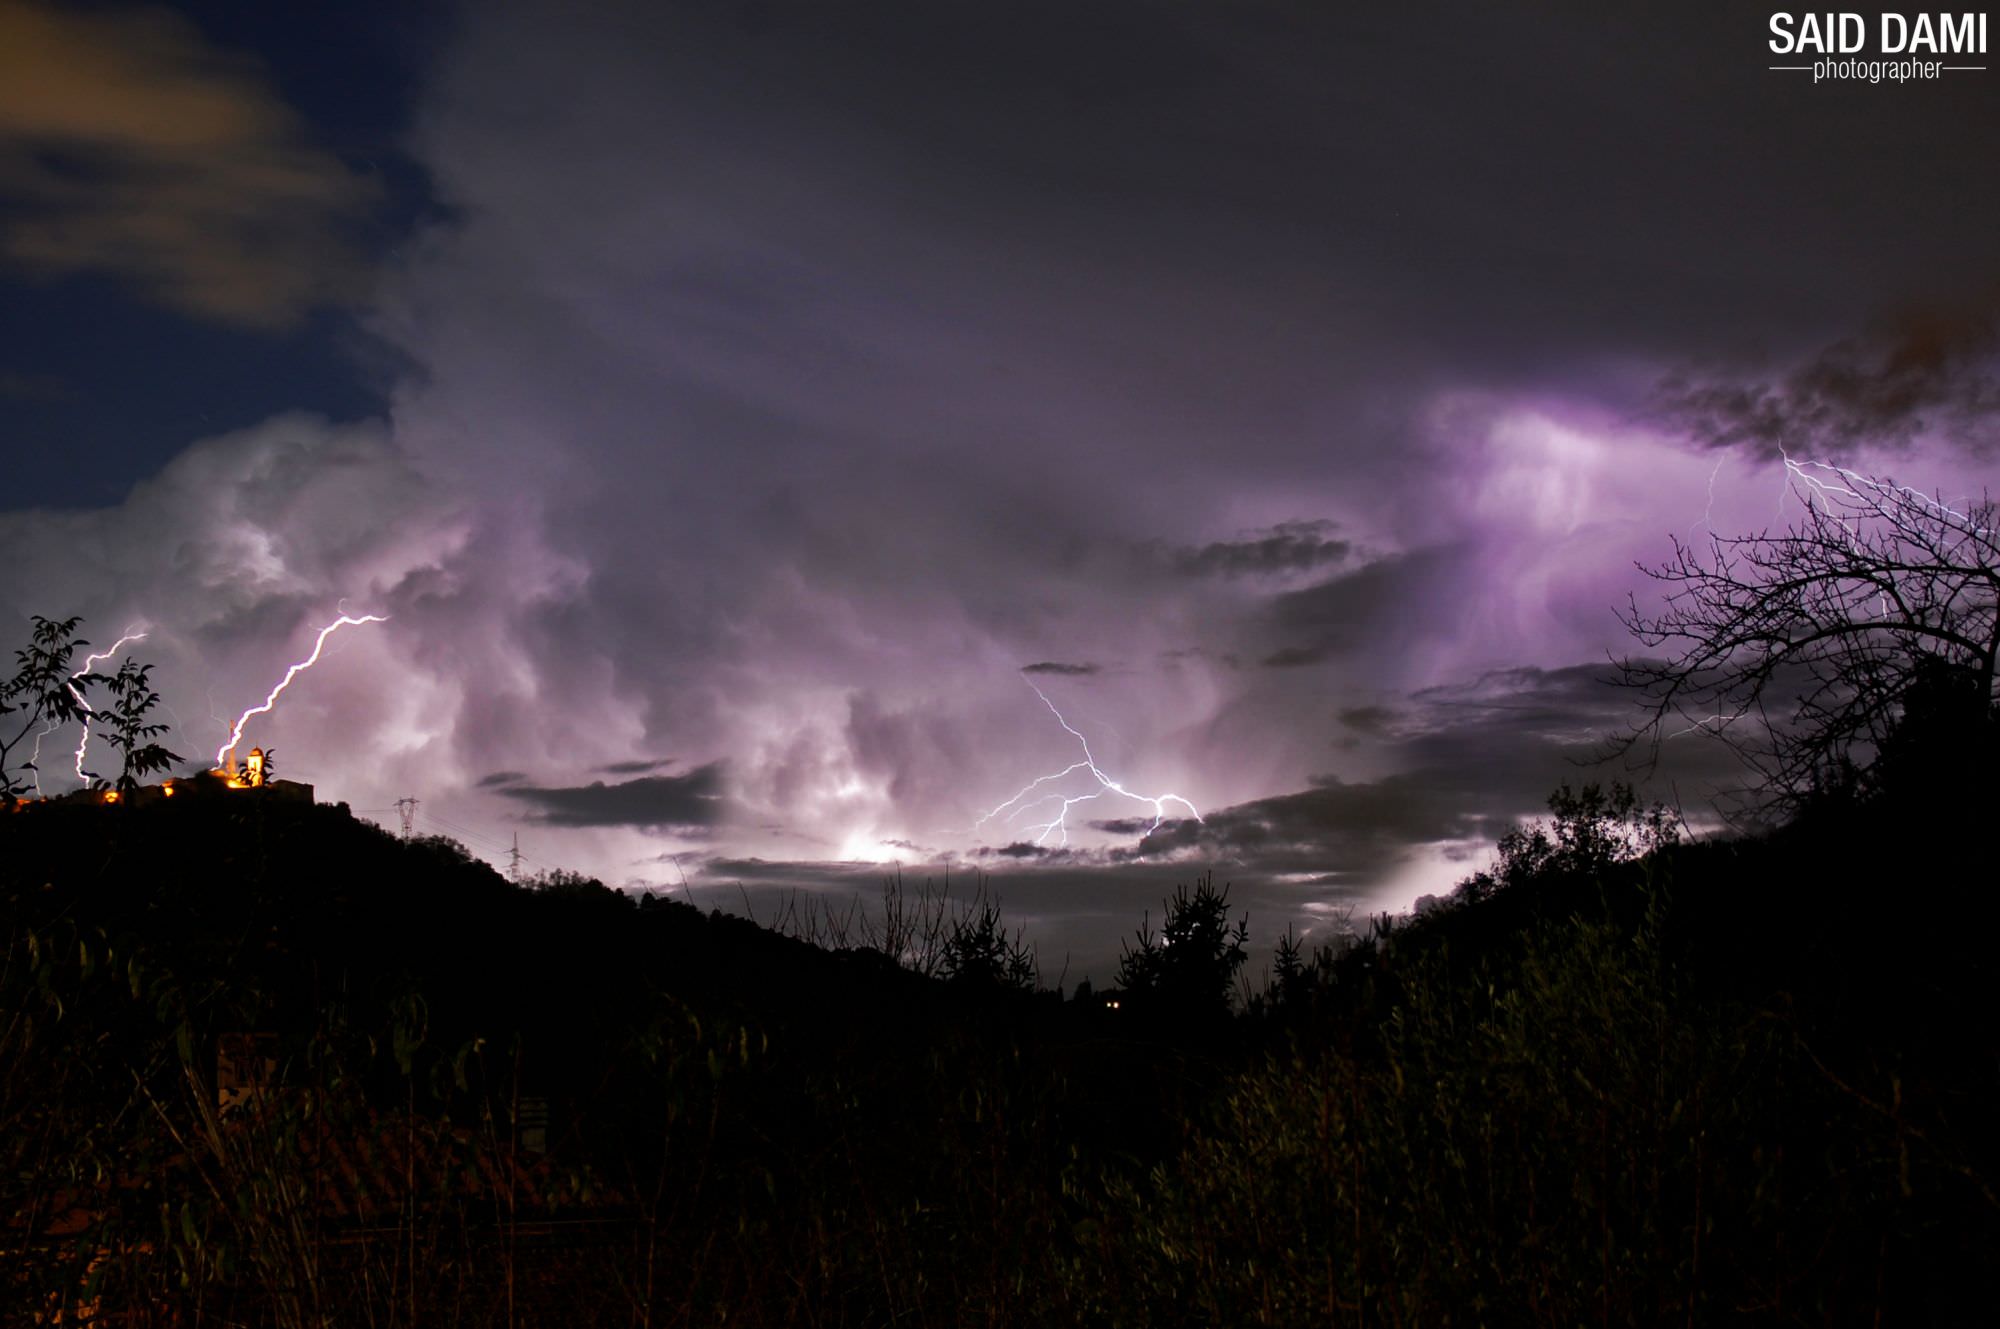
[(1619, 1080)]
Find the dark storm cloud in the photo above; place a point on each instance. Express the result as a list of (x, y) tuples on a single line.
[(1062, 669), (1525, 701), (1921, 370), (1478, 756), (1373, 721), (1371, 608), (1290, 547), (1017, 849), (499, 778), (1349, 831), (680, 802), (1295, 657), (634, 767)]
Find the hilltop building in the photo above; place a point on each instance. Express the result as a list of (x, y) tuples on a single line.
[(227, 780)]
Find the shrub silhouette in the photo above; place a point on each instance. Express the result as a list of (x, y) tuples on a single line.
[(979, 952), (1187, 971), (1592, 828)]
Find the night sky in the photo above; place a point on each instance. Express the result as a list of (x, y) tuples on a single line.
[(741, 410)]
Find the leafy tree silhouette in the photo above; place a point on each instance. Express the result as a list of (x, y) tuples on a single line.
[(1186, 971), (1593, 828), (45, 692), (41, 693), (126, 728), (1803, 649)]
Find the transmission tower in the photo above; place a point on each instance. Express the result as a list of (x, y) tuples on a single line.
[(408, 807), (514, 860)]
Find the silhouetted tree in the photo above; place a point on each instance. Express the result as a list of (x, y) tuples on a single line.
[(1188, 968), (1289, 974), (979, 952), (1592, 828), (42, 693), (125, 726), (1801, 649)]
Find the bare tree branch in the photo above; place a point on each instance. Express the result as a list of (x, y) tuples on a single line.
[(1799, 648)]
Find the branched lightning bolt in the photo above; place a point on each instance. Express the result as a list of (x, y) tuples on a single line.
[(1059, 823), (1839, 494), (1902, 494), (236, 732), (1881, 495), (89, 661)]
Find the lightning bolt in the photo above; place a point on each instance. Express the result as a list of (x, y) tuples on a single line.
[(35, 755), (1059, 823), (1840, 493), (89, 661), (236, 732), (1708, 513), (1880, 498), (1901, 495)]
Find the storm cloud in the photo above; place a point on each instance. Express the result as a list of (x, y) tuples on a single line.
[(1932, 371), (671, 802)]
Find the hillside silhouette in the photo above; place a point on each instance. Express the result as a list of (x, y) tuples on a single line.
[(1618, 1078)]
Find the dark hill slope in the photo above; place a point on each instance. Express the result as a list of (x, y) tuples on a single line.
[(1748, 1081)]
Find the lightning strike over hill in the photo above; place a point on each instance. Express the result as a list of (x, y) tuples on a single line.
[(236, 732), (1059, 823)]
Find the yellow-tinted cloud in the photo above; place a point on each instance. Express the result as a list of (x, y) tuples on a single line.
[(131, 146)]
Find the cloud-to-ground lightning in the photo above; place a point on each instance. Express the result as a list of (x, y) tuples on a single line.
[(89, 662), (236, 731), (1059, 823)]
